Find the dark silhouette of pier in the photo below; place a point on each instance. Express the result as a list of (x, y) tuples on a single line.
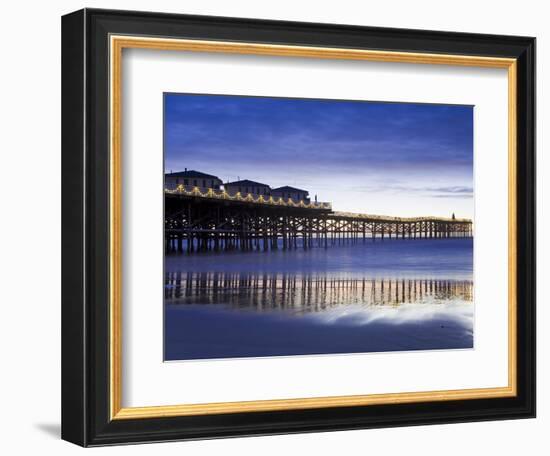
[(216, 221)]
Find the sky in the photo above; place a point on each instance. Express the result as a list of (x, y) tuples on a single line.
[(401, 159)]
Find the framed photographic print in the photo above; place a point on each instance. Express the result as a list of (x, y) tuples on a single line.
[(278, 227)]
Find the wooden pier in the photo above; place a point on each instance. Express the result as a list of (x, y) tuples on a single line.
[(202, 222)]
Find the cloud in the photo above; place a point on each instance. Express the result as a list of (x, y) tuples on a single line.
[(456, 191), (451, 192), (333, 135), (397, 150)]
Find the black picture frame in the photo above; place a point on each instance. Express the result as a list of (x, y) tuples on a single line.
[(85, 224)]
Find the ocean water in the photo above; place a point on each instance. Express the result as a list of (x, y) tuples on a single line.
[(391, 295)]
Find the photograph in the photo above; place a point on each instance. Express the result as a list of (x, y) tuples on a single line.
[(299, 226)]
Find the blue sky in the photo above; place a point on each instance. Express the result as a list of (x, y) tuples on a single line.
[(371, 157)]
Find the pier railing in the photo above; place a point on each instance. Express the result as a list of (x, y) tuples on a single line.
[(389, 218), (248, 198)]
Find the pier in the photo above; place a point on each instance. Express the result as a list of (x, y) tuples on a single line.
[(213, 220)]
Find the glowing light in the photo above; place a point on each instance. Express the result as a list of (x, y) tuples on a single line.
[(222, 194)]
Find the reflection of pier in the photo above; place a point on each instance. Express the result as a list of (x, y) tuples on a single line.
[(197, 222), (307, 293)]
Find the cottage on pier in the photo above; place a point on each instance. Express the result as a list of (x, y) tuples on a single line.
[(245, 187), (293, 193), (191, 179)]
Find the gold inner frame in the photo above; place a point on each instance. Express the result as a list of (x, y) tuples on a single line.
[(117, 44)]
